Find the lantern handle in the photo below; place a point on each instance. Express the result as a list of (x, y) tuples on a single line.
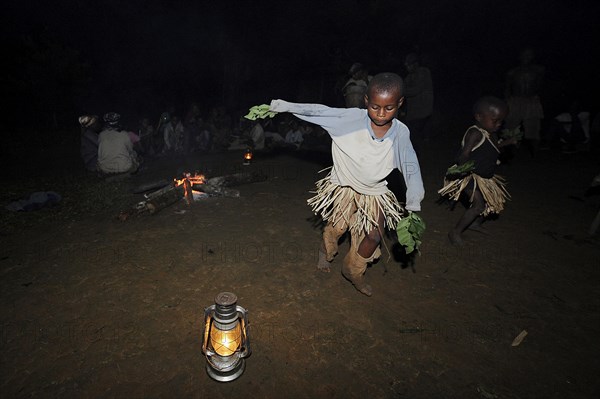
[(208, 315), (245, 330)]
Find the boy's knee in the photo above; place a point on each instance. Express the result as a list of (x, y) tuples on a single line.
[(374, 236)]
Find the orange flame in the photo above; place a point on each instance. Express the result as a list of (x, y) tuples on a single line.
[(197, 178), (188, 181)]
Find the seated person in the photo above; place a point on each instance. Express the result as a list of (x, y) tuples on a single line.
[(90, 126), (568, 129), (257, 135), (294, 136), (145, 132), (172, 135), (115, 149)]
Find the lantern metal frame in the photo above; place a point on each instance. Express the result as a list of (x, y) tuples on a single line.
[(225, 314)]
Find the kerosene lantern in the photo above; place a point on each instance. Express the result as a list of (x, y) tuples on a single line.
[(225, 341), (248, 156)]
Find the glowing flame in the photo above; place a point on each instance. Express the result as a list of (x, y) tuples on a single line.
[(226, 343), (196, 178), (188, 181)]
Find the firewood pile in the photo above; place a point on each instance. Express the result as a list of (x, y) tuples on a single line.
[(167, 193)]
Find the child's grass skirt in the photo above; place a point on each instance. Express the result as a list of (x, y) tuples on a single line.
[(493, 190), (359, 212)]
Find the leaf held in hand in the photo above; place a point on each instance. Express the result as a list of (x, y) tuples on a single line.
[(410, 231), (465, 168), (260, 112), (510, 133)]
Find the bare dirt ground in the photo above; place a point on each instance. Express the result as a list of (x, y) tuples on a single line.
[(95, 307)]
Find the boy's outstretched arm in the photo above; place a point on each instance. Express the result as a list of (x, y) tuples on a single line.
[(331, 119)]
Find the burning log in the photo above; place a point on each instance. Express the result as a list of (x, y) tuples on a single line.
[(217, 191), (154, 185), (184, 189), (165, 199)]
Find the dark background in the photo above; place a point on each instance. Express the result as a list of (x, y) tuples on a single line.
[(67, 58)]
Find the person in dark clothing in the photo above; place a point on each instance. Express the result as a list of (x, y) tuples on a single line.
[(418, 92), (90, 127), (484, 190)]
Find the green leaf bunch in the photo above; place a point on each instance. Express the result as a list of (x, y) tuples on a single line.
[(510, 133), (410, 231), (461, 169), (260, 112)]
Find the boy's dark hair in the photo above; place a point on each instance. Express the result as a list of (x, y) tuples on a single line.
[(385, 82), (485, 103)]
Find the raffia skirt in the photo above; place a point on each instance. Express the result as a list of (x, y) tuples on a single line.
[(360, 212), (493, 190)]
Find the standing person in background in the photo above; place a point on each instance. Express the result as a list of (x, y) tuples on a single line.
[(523, 87), (418, 94), (356, 87)]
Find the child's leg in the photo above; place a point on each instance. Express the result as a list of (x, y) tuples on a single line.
[(471, 214), (329, 245), (362, 251), (478, 226), (371, 241)]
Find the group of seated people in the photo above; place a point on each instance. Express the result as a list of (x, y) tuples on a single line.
[(107, 148), (279, 133), (569, 130)]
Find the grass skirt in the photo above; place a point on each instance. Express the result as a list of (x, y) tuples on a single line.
[(493, 190), (341, 204)]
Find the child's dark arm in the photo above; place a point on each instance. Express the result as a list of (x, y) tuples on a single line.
[(507, 142), (472, 138)]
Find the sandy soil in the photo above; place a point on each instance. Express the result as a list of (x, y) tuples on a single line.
[(95, 307)]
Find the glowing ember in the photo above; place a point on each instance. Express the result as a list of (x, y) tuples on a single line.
[(188, 182), (197, 178)]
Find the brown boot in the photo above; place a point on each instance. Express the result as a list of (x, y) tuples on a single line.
[(353, 269), (323, 263), (331, 235)]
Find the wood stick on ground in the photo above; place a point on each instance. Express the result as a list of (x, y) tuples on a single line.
[(236, 179), (164, 200)]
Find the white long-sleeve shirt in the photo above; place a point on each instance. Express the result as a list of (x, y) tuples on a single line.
[(360, 160)]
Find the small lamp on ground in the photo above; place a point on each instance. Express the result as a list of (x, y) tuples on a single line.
[(248, 156), (225, 341)]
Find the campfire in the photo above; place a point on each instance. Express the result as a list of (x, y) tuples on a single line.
[(189, 187), (187, 182)]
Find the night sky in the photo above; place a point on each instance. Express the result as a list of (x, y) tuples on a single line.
[(66, 58)]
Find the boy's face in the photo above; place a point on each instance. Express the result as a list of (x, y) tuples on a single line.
[(491, 120), (382, 107)]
